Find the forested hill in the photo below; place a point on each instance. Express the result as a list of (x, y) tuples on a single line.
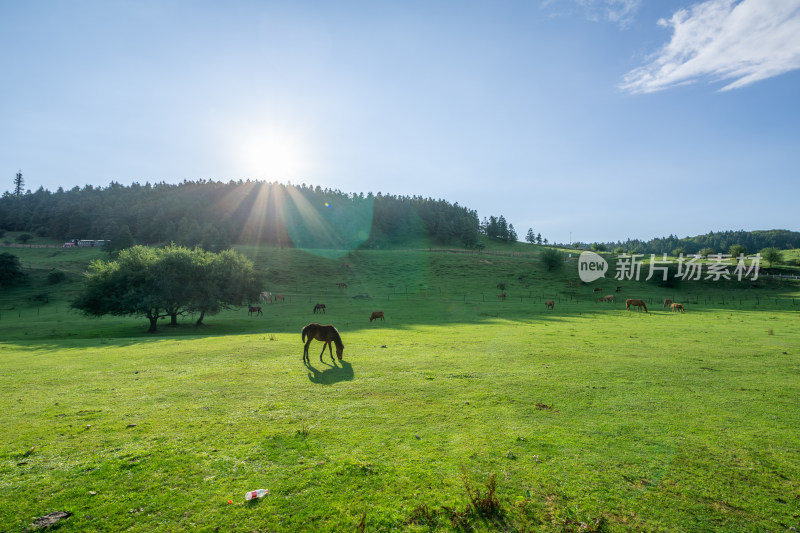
[(216, 214), (719, 242)]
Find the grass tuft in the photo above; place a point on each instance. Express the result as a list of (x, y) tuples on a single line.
[(484, 503)]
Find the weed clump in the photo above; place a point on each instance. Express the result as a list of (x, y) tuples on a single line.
[(483, 505)]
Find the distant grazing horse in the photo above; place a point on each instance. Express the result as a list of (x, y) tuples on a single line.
[(256, 310), (326, 334), (598, 289), (677, 307), (342, 285), (502, 296), (619, 289), (667, 302), (280, 297), (549, 304), (319, 308), (266, 297), (376, 315), (608, 298), (639, 304)]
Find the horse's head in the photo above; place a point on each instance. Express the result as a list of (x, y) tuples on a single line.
[(340, 351)]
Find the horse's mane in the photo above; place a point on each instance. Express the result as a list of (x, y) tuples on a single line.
[(337, 339)]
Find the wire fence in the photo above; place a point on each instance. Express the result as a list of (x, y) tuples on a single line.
[(532, 300)]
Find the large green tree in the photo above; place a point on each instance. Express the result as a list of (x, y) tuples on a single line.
[(167, 282), (229, 281)]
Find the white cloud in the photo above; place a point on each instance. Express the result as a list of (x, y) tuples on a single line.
[(618, 11), (740, 42), (621, 11)]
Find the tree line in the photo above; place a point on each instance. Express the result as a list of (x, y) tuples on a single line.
[(709, 243), (214, 215)]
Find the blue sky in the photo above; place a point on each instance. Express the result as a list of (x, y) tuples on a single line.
[(589, 120)]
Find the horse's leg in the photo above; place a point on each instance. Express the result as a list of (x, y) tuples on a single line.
[(305, 350), (326, 343)]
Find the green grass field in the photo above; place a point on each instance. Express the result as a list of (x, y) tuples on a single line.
[(459, 412)]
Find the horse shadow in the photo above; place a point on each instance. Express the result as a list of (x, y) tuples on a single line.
[(331, 375)]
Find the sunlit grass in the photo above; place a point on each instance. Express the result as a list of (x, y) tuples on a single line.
[(587, 414)]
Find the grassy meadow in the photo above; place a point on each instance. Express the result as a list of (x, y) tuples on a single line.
[(460, 412)]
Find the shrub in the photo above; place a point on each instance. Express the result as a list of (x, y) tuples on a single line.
[(772, 255), (736, 250), (552, 259), (56, 277), (10, 269)]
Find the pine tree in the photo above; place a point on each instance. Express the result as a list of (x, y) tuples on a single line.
[(530, 237), (18, 184), (502, 228), (512, 234)]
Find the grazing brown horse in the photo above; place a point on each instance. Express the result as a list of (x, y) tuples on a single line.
[(327, 334), (376, 315), (677, 307), (598, 289), (502, 296), (639, 304), (342, 285), (619, 289), (667, 302), (320, 308), (280, 297), (608, 298), (256, 310), (549, 304)]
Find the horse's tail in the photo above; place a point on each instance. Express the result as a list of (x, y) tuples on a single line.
[(303, 334)]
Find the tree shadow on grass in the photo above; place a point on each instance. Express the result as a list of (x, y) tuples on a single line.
[(331, 375)]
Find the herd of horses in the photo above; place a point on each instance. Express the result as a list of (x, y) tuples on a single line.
[(269, 297), (330, 336)]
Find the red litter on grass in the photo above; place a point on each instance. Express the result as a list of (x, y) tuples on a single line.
[(253, 494)]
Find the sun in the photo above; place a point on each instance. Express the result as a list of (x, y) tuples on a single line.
[(273, 155)]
